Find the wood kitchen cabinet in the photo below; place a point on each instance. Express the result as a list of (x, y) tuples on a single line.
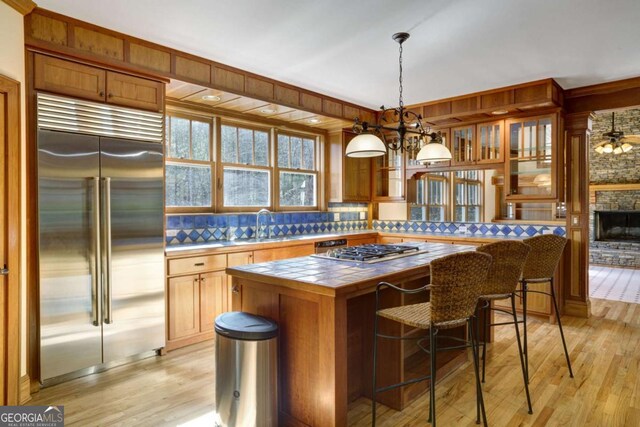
[(264, 255), (96, 84), (214, 298), (477, 144), (389, 176), (184, 306), (349, 178)]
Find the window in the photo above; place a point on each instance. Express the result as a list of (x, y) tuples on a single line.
[(431, 198), (297, 171), (246, 175), (189, 165), (467, 196)]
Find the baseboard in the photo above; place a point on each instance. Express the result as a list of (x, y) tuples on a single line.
[(577, 308), (25, 390)]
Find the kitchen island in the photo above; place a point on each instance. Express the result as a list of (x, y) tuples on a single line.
[(325, 309)]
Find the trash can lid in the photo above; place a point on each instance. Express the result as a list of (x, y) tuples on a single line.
[(245, 326)]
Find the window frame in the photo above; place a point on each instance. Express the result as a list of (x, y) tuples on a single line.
[(431, 176), (178, 161), (317, 158), (219, 180), (467, 182)]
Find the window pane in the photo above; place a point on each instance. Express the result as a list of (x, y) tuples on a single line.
[(417, 213), (245, 139), (296, 152), (308, 153), (200, 140), (188, 185), (179, 138), (283, 151), (297, 189), (261, 146), (436, 214), (460, 199), (420, 191), (229, 144), (473, 213), (459, 214), (246, 187)]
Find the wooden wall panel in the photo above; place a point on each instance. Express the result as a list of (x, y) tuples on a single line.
[(193, 70), (367, 116), (147, 57), (311, 102), (260, 88), (496, 99), (535, 93), (227, 79), (287, 95), (349, 112), (332, 108), (464, 105), (98, 43), (48, 29)]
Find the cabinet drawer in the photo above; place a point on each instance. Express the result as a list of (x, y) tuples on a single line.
[(197, 264)]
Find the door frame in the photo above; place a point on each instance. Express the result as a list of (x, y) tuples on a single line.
[(11, 89)]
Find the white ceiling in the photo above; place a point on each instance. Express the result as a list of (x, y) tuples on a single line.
[(343, 48)]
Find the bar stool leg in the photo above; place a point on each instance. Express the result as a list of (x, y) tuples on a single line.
[(432, 382), (487, 325), (479, 398), (564, 344), (375, 355), (524, 372), (524, 323)]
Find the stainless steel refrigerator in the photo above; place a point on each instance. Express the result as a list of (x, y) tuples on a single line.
[(101, 256)]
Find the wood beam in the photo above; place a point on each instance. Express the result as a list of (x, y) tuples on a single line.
[(24, 7)]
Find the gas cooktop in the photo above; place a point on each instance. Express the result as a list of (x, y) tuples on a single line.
[(370, 253)]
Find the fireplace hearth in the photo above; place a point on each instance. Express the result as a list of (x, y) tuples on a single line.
[(617, 226)]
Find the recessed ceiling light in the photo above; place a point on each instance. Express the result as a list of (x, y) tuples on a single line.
[(211, 98), (268, 110), (500, 112), (313, 120)]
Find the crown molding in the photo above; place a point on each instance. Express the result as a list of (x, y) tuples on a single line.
[(23, 6)]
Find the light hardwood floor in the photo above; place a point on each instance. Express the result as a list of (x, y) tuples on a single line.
[(177, 389)]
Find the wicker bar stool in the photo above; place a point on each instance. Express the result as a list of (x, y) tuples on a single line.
[(540, 267), (508, 259), (454, 290)]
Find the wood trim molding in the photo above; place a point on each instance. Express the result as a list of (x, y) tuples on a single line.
[(11, 89), (613, 187), (577, 308), (51, 32), (604, 96), (24, 7), (25, 389)]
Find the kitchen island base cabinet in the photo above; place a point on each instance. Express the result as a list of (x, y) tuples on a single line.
[(326, 350)]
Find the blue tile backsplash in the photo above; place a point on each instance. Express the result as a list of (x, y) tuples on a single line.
[(201, 228), (473, 228)]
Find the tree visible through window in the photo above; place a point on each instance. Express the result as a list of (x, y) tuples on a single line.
[(431, 198), (297, 174), (467, 196)]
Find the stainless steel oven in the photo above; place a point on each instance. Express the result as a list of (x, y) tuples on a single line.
[(327, 245)]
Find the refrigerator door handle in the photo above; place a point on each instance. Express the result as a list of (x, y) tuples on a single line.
[(107, 251), (95, 300)]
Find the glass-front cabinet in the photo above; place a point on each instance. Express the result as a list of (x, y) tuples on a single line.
[(490, 148), (463, 150), (531, 168), (388, 182)]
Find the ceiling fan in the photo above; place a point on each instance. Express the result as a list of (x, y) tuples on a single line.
[(615, 141)]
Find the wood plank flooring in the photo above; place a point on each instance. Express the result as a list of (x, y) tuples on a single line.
[(177, 389)]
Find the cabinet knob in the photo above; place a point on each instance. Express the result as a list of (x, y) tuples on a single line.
[(235, 289), (196, 280), (110, 95), (101, 94)]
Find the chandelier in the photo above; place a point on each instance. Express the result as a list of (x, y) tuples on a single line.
[(615, 142), (397, 129)]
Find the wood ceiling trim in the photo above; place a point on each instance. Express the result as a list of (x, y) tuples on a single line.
[(24, 7), (52, 32)]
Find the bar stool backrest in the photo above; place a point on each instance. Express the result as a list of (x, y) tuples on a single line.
[(508, 258), (455, 287), (544, 257)]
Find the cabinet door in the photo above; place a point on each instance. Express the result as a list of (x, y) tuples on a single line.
[(490, 147), (135, 92), (463, 145), (356, 175), (213, 298), (531, 167), (388, 179), (233, 260), (69, 78), (184, 306)]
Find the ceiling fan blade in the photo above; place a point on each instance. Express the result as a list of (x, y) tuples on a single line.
[(633, 139)]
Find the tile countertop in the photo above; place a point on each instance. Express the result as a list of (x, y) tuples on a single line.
[(242, 243), (330, 277)]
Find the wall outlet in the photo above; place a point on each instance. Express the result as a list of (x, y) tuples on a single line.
[(462, 229), (363, 215), (547, 231), (336, 216)]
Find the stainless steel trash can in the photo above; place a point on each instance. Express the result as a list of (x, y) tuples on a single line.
[(246, 370)]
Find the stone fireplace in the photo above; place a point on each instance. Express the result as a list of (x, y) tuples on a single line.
[(614, 196)]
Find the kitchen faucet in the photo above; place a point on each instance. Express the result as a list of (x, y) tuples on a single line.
[(261, 212)]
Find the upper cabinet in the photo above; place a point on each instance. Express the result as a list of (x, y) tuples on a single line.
[(388, 178), (96, 84), (350, 178), (533, 169), (477, 144)]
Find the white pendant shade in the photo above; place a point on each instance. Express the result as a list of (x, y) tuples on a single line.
[(433, 152), (366, 145), (599, 149), (626, 147), (607, 148)]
